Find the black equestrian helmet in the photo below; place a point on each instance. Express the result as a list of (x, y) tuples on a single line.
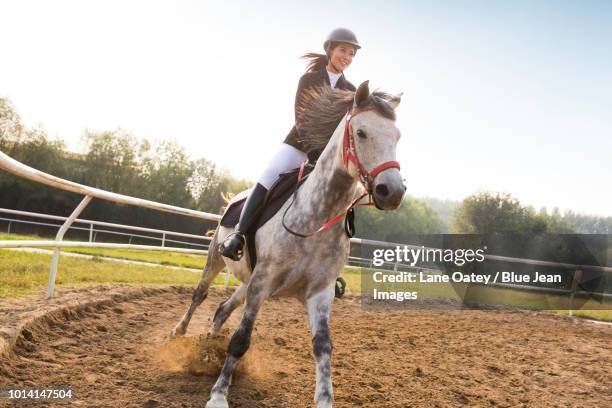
[(341, 35)]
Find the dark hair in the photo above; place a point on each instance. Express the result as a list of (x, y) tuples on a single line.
[(316, 62)]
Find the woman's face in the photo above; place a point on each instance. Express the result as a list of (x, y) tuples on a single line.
[(341, 57)]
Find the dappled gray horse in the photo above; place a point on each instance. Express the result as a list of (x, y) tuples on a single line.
[(361, 149)]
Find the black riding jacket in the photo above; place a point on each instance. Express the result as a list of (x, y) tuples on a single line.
[(307, 81)]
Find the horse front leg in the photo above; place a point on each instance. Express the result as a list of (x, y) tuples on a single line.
[(319, 308), (239, 343), (226, 308)]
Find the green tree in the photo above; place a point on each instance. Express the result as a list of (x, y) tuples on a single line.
[(414, 217), (588, 224), (112, 161), (444, 207), (555, 223), (210, 186), (487, 213), (11, 128), (167, 174)]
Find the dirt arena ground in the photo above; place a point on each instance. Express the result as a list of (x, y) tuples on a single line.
[(117, 354)]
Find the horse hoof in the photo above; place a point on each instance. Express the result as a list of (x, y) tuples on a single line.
[(176, 333), (217, 401)]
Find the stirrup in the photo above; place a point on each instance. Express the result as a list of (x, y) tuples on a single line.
[(235, 250), (340, 287)]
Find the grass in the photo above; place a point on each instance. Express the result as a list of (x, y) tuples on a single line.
[(158, 257), (352, 276), (24, 273), (602, 315), (14, 237)]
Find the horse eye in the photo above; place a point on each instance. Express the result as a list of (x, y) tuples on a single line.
[(361, 133)]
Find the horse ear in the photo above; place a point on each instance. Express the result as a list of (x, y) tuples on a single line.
[(395, 100), (362, 94)]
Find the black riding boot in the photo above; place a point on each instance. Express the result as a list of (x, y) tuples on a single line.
[(233, 245)]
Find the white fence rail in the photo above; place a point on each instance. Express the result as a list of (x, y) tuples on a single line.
[(163, 234), (83, 244)]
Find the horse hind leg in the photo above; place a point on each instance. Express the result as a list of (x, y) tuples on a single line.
[(226, 308), (214, 264), (239, 343)]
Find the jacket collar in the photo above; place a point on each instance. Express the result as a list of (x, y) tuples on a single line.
[(341, 84)]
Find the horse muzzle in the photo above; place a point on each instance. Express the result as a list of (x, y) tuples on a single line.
[(388, 191)]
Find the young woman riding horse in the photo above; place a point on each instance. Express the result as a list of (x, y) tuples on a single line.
[(340, 48), (357, 135)]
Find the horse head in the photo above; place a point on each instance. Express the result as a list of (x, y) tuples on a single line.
[(370, 144)]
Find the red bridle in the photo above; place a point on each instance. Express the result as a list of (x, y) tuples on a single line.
[(349, 154)]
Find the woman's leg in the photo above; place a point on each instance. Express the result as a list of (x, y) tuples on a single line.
[(285, 159)]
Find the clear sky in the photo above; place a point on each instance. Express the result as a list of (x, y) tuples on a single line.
[(511, 96)]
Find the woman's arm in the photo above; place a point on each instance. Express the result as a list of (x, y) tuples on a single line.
[(307, 81)]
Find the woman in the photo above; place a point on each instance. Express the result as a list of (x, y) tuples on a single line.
[(340, 48)]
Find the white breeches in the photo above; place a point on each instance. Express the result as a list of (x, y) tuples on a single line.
[(286, 158)]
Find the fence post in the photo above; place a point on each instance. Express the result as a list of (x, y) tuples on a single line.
[(58, 238), (227, 278), (90, 232), (163, 239), (130, 241), (575, 282), (8, 231)]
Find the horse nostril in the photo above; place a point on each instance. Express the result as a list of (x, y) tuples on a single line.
[(381, 190)]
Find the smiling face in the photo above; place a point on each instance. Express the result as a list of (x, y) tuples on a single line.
[(340, 57)]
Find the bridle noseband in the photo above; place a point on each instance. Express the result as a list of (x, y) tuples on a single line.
[(366, 178)]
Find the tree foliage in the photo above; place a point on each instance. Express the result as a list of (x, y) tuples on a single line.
[(487, 213), (11, 128), (588, 224), (412, 218)]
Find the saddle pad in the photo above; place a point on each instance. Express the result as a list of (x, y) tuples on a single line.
[(279, 193)]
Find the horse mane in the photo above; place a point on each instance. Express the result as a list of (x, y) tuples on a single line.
[(320, 109)]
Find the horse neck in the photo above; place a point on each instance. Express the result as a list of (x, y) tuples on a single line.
[(329, 189)]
